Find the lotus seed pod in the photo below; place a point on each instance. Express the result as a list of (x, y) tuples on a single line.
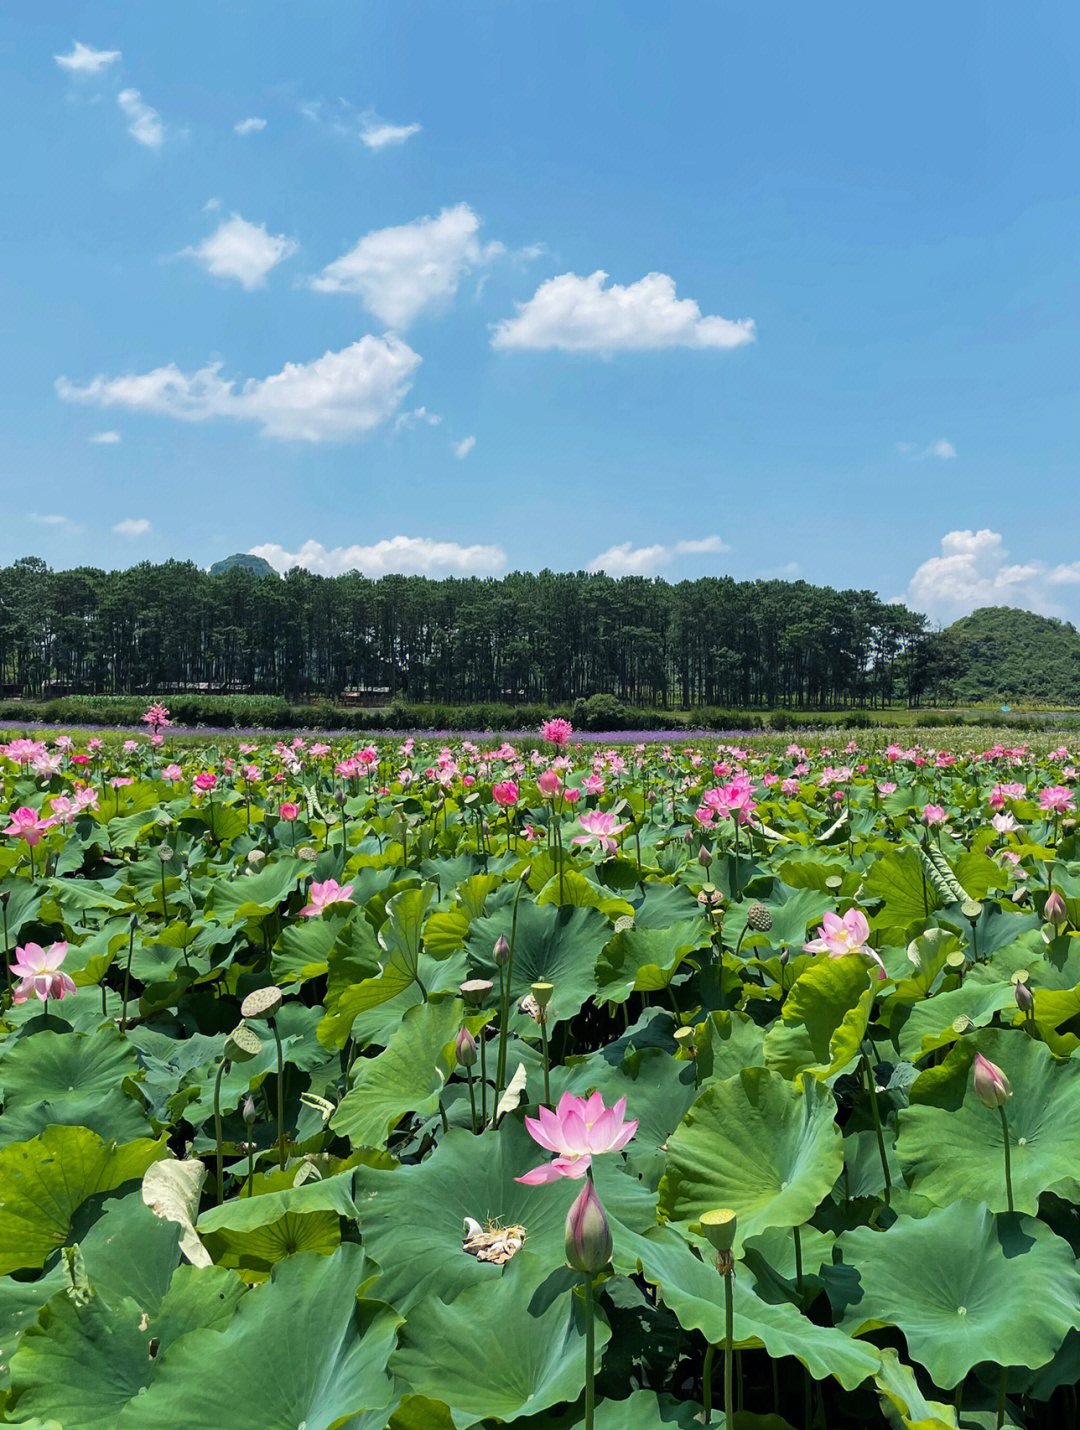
[(718, 1228), (256, 857), (501, 952), (263, 1003), (164, 853), (542, 993), (991, 1085), (684, 1041), (475, 991), (465, 1048), (758, 918), (1054, 910), (242, 1045), (588, 1235)]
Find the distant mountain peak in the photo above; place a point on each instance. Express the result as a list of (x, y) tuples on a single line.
[(243, 561)]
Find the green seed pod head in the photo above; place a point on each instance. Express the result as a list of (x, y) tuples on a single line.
[(718, 1228), (242, 1044), (263, 1003)]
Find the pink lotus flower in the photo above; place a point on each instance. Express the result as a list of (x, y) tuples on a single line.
[(549, 784), (558, 731), (38, 971), (324, 894), (171, 773), (205, 780), (1057, 798), (840, 936), (157, 717), (27, 824), (600, 829), (505, 794), (288, 811), (577, 1131), (933, 814), (990, 1083)]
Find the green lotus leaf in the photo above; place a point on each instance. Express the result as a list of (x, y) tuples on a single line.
[(948, 1154), (900, 880), (47, 1179), (929, 1025), (302, 1350), (69, 1079), (498, 1351), (766, 1147), (645, 960), (904, 1402), (793, 912), (553, 945), (408, 1076), (255, 1252), (825, 1017), (726, 1043), (964, 1286), (322, 1194)]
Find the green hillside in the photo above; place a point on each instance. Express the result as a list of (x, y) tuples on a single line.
[(243, 561), (1016, 655)]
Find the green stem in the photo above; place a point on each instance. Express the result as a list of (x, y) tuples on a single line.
[(472, 1101), (729, 1316), (483, 1076), (798, 1262), (251, 1167), (878, 1130), (1008, 1164), (547, 1061), (1001, 1396), (217, 1127), (706, 1384), (590, 1356), (127, 976), (280, 1094)]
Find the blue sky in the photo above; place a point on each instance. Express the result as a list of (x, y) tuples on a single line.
[(323, 280)]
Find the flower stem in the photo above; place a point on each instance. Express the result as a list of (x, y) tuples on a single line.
[(590, 1355), (472, 1101), (729, 1355), (280, 1094), (706, 1383), (878, 1131), (547, 1061), (1008, 1164), (217, 1127)]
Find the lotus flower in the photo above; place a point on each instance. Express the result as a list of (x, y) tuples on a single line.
[(38, 971), (577, 1131), (991, 1085), (505, 794), (600, 829), (588, 1235), (27, 824), (840, 936), (324, 894)]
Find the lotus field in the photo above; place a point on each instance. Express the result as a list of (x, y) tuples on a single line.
[(424, 1086)]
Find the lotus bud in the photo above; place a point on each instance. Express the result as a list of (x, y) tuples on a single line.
[(704, 856), (501, 952), (249, 1110), (785, 958), (991, 1085), (1054, 910), (526, 874), (1025, 999), (588, 1236), (465, 1048)]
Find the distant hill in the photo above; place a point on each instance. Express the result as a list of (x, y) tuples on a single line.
[(243, 561), (999, 651)]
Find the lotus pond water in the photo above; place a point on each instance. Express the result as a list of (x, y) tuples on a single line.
[(425, 1086)]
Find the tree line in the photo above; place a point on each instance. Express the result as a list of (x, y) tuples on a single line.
[(544, 637)]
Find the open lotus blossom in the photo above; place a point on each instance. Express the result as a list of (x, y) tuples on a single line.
[(600, 828), (1057, 798), (840, 936), (28, 824), (505, 793), (324, 894), (558, 731), (578, 1130), (38, 971)]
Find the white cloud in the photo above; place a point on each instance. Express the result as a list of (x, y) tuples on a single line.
[(132, 526), (50, 519), (464, 447), (581, 315), (402, 272), (250, 126), (974, 570), (377, 133), (242, 250), (942, 448), (411, 555), (407, 420), (84, 59), (337, 396), (146, 125), (105, 439), (628, 560), (211, 206)]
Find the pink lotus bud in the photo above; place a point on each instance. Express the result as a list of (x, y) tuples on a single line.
[(465, 1048), (704, 856), (1025, 999), (1054, 910), (501, 952), (588, 1236), (991, 1085)]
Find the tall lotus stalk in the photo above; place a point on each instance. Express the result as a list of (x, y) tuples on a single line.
[(718, 1227), (240, 1047), (264, 1003), (588, 1250), (993, 1091)]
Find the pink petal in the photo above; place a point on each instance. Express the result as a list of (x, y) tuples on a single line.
[(549, 1172), (538, 1133), (628, 1130), (575, 1133)]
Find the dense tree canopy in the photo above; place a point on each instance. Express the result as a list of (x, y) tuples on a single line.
[(549, 636), (1000, 651)]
